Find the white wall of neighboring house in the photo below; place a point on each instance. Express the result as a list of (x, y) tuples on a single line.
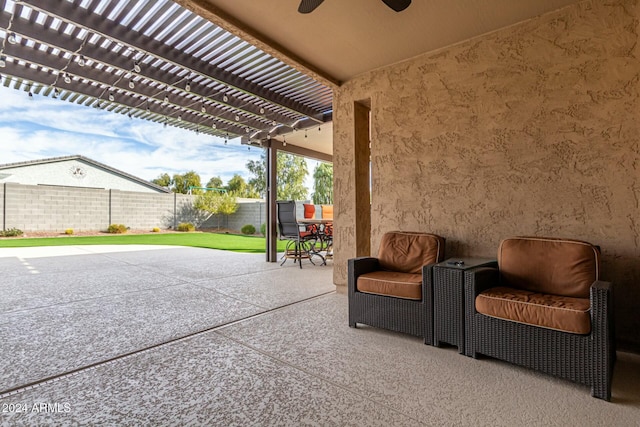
[(71, 173)]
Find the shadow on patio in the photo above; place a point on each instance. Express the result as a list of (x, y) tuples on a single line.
[(187, 336)]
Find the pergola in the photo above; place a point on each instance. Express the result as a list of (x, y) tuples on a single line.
[(158, 61)]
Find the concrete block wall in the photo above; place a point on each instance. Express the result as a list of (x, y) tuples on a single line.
[(249, 212), (2, 206), (51, 208), (252, 212), (42, 208), (142, 210)]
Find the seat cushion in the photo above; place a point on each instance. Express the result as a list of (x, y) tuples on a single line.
[(391, 283), (407, 251), (549, 311), (550, 266)]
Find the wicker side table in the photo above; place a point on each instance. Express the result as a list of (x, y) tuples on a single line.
[(448, 299)]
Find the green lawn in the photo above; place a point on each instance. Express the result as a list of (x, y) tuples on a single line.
[(226, 242)]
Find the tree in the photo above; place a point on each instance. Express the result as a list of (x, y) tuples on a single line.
[(228, 205), (216, 203), (258, 182), (323, 184), (181, 183), (292, 171), (237, 186), (163, 180), (215, 182)]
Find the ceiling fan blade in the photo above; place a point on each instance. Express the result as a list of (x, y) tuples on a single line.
[(397, 5), (308, 6)]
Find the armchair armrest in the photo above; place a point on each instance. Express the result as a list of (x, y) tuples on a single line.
[(427, 279), (601, 298), (601, 289), (477, 280), (359, 266), (481, 278), (427, 284)]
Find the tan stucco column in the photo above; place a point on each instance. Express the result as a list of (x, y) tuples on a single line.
[(352, 214)]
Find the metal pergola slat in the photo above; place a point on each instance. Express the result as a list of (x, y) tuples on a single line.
[(243, 90)]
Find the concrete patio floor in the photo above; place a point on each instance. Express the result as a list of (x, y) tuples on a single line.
[(187, 336)]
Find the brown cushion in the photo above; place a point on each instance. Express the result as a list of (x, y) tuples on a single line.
[(407, 251), (549, 311), (550, 266), (392, 283)]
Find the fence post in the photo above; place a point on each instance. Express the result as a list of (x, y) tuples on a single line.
[(4, 208)]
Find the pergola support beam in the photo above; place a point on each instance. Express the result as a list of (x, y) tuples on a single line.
[(271, 206)]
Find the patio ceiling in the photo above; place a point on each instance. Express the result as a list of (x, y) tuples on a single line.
[(157, 61), (342, 39)]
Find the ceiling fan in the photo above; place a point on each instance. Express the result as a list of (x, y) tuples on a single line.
[(308, 6)]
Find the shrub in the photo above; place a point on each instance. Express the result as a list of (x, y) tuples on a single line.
[(263, 229), (68, 231), (12, 232), (155, 230), (185, 226), (117, 229), (248, 229)]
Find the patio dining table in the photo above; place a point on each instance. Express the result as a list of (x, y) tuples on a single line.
[(324, 240)]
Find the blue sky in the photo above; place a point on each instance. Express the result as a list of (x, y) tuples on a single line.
[(44, 127)]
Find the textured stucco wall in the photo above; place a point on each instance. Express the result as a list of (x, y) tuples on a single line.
[(532, 130)]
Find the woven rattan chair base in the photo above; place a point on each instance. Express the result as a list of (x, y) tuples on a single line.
[(414, 317), (584, 359)]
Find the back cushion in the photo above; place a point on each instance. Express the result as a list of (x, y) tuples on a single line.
[(407, 252), (327, 211), (309, 210), (551, 266)]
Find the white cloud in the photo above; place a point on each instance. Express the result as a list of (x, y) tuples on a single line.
[(46, 127)]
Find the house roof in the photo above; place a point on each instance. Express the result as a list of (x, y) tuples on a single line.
[(89, 161)]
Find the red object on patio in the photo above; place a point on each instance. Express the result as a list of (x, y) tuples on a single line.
[(309, 210)]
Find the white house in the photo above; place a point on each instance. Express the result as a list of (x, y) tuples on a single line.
[(74, 171)]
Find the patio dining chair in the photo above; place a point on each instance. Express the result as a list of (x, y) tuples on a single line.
[(300, 240)]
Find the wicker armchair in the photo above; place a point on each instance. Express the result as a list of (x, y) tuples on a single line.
[(394, 291), (544, 308)]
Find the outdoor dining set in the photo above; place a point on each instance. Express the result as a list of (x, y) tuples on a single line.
[(308, 237)]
